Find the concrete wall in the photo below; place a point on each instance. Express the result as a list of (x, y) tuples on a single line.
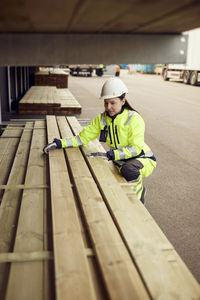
[(4, 103)]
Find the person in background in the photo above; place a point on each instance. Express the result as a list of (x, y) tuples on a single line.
[(117, 71), (122, 128), (99, 70)]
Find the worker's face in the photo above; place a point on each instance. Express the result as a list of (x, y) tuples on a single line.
[(113, 106)]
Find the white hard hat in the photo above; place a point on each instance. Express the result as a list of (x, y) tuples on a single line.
[(113, 88)]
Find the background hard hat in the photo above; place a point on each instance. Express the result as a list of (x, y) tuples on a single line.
[(113, 88)]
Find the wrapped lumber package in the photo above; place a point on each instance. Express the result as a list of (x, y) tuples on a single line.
[(44, 100), (56, 78)]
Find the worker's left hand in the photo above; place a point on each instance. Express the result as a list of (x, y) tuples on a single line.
[(49, 147)]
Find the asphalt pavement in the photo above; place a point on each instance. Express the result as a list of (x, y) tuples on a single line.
[(171, 111)]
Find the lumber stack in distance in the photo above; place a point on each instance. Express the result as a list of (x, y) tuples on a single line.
[(58, 78), (68, 229), (49, 100)]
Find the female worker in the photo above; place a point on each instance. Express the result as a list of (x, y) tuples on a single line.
[(122, 128)]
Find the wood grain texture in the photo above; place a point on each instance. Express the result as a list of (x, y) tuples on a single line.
[(71, 270), (110, 249), (49, 100), (159, 264), (28, 276), (104, 244)]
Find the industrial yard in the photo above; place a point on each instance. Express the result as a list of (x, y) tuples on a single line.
[(99, 150)]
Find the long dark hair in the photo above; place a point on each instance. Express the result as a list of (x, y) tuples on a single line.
[(126, 104)]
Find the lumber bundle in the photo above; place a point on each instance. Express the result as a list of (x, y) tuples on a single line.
[(70, 227), (49, 100), (57, 78)]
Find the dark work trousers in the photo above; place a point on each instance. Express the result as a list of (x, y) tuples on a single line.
[(130, 170)]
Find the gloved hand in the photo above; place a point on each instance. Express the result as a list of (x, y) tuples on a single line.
[(54, 145), (110, 155)]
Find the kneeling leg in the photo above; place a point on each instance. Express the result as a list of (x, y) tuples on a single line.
[(131, 172)]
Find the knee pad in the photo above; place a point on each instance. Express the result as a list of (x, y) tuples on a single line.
[(130, 172)]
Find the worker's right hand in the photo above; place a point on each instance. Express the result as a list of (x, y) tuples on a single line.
[(54, 145)]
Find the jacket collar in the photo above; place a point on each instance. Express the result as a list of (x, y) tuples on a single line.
[(116, 114)]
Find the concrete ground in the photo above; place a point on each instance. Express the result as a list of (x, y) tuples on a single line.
[(171, 111)]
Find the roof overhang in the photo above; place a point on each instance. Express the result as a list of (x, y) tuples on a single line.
[(48, 49), (92, 31)]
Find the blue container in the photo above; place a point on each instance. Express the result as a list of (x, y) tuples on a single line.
[(123, 66), (144, 68), (149, 68), (138, 68)]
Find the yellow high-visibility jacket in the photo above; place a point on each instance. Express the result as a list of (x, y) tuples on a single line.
[(125, 134)]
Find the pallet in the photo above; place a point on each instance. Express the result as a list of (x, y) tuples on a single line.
[(49, 100), (71, 229)]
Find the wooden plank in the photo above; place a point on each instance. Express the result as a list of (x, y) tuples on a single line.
[(28, 276), (11, 200), (110, 250), (164, 273), (99, 286), (96, 278), (25, 120), (13, 127), (48, 266), (8, 146), (22, 187), (25, 256), (36, 112), (71, 269)]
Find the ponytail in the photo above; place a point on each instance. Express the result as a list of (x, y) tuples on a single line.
[(126, 104)]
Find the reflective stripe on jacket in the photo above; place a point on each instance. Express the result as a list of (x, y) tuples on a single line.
[(125, 134)]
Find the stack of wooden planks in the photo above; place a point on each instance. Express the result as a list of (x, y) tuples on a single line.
[(49, 100), (58, 78), (70, 227)]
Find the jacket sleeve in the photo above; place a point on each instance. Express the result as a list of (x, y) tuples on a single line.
[(89, 133), (135, 139)]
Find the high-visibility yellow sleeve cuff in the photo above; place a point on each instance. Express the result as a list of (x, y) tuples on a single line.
[(116, 153), (64, 143)]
